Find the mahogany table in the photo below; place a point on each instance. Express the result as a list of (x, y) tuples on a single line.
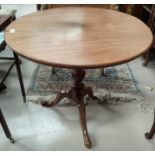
[(78, 39)]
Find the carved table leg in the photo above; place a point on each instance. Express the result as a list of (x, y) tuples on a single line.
[(77, 94), (82, 113), (58, 98), (150, 134), (89, 92)]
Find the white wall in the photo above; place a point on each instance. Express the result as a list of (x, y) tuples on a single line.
[(22, 9)]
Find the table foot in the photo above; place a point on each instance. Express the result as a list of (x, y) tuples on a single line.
[(12, 140), (150, 134)]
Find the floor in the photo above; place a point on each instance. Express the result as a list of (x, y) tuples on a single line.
[(115, 127)]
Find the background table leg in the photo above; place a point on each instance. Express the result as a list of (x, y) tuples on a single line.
[(5, 127), (150, 134)]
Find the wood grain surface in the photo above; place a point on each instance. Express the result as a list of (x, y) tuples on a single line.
[(79, 37)]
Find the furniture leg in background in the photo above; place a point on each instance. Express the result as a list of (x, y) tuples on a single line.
[(17, 61), (5, 20), (150, 134), (103, 72), (5, 127), (146, 58), (151, 24)]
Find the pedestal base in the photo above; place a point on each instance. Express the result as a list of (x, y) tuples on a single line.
[(77, 94)]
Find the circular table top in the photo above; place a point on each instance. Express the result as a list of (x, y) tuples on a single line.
[(79, 37)]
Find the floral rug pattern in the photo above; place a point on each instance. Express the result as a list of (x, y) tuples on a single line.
[(119, 86)]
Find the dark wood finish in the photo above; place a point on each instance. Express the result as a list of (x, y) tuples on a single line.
[(150, 134), (137, 10), (147, 57), (143, 12), (127, 8), (2, 87), (151, 24), (50, 6), (146, 12), (38, 7), (17, 62), (77, 94), (4, 20), (5, 127)]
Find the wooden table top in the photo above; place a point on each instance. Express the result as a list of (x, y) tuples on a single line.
[(79, 37)]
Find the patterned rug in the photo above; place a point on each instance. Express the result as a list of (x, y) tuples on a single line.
[(119, 86)]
